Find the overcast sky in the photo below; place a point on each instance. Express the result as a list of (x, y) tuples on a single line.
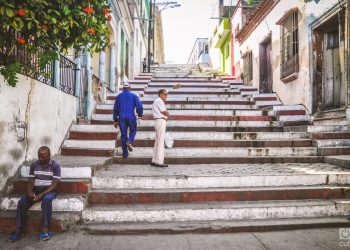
[(181, 27)]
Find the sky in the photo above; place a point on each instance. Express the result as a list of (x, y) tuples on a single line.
[(182, 26)]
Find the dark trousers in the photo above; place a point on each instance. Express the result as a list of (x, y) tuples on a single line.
[(126, 123), (25, 203)]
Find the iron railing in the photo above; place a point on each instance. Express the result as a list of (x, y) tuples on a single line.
[(67, 75), (31, 65)]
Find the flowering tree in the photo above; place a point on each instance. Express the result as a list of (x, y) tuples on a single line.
[(54, 26)]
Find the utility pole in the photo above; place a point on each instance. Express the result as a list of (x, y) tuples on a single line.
[(149, 36), (154, 28)]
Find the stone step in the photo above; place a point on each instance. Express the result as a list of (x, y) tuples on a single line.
[(63, 203), (190, 127), (330, 121), (74, 171), (65, 186), (200, 121), (109, 105), (330, 135), (191, 80), (226, 152), (264, 104), (141, 196), (194, 91), (91, 152), (341, 150), (213, 117), (227, 211), (200, 143), (104, 130), (220, 226), (338, 160), (108, 145), (319, 128), (331, 143), (206, 176), (146, 160), (61, 221), (108, 109), (174, 85)]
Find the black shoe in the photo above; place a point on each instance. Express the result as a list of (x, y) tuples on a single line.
[(160, 165), (130, 148), (125, 156), (153, 164)]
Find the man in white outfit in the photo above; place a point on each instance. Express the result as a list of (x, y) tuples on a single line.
[(160, 115)]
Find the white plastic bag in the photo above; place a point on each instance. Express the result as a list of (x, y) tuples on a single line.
[(168, 141)]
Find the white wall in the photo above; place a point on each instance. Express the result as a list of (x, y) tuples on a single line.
[(298, 91), (48, 114)]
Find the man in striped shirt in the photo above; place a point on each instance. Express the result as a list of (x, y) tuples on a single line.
[(44, 176)]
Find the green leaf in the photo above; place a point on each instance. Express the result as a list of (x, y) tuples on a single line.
[(30, 25), (66, 10), (9, 12), (2, 10)]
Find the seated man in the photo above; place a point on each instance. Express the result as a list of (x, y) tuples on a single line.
[(44, 176)]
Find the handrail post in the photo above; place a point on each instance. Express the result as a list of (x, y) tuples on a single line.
[(89, 97), (57, 73)]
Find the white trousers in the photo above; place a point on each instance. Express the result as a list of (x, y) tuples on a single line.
[(158, 150)]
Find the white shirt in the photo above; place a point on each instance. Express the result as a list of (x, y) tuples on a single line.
[(157, 108)]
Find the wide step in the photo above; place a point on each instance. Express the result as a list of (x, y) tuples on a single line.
[(213, 226), (227, 211)]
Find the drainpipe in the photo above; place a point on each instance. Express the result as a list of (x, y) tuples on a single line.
[(112, 76), (89, 97)]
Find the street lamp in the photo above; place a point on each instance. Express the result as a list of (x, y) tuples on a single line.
[(167, 5)]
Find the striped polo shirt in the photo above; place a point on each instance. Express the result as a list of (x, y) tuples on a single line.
[(44, 175)]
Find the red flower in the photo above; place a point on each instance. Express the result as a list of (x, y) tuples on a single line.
[(22, 12), (91, 31), (88, 10), (109, 18), (106, 11), (21, 40), (45, 27)]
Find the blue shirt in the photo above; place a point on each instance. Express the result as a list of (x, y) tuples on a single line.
[(125, 104)]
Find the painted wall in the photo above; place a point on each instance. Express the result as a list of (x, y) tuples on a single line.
[(226, 56), (300, 88), (236, 21), (48, 114)]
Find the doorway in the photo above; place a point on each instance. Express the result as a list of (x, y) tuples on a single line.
[(329, 84), (265, 53)]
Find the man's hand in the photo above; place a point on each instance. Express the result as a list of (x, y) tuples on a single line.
[(116, 124), (38, 197), (32, 196)]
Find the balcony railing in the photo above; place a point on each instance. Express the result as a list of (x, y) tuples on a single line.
[(31, 66)]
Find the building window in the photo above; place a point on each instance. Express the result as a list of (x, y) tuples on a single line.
[(289, 47), (247, 67)]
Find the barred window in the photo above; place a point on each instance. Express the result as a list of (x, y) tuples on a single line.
[(247, 67), (289, 46)]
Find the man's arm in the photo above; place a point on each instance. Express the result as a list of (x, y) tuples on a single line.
[(48, 190), (116, 112), (139, 107), (30, 188), (55, 179), (30, 185), (165, 112)]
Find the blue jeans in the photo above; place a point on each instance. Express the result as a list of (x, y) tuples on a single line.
[(25, 203)]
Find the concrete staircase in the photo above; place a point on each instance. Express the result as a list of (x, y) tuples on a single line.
[(241, 161)]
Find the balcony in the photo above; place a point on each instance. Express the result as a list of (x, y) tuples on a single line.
[(222, 33)]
